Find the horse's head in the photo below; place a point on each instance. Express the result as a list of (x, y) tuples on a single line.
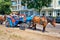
[(52, 21)]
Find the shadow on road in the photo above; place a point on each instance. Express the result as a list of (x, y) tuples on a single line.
[(37, 29)]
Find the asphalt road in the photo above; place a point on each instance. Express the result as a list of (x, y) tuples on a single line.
[(50, 28)]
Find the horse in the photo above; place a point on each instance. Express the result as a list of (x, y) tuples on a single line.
[(43, 21), (2, 19)]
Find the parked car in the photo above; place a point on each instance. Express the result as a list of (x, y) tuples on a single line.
[(58, 19)]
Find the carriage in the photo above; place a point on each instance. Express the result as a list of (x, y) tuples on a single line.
[(21, 21)]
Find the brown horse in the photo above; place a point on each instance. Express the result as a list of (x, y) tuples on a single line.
[(43, 21), (2, 19)]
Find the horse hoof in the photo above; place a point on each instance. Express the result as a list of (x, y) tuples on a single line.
[(43, 31), (33, 28)]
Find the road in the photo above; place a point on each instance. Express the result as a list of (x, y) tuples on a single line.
[(28, 34), (50, 28)]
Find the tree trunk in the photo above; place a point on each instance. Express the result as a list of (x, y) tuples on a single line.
[(39, 11)]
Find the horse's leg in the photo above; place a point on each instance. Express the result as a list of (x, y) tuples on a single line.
[(43, 29), (1, 22), (44, 26), (34, 26), (54, 24)]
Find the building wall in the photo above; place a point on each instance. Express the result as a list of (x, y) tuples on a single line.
[(56, 7), (52, 10), (16, 5)]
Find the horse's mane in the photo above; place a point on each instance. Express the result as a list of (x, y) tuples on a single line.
[(50, 19)]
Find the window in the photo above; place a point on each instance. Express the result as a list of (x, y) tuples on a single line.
[(19, 7), (22, 12), (24, 7), (14, 3), (19, 1), (43, 13), (26, 12), (58, 12), (59, 2), (50, 13), (37, 13), (49, 5), (14, 7)]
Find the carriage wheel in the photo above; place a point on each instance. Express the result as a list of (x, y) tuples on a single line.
[(29, 25), (23, 26), (7, 24)]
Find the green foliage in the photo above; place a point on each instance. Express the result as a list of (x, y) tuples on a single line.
[(5, 6), (36, 4)]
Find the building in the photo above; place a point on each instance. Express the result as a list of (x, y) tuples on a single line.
[(18, 8), (52, 10)]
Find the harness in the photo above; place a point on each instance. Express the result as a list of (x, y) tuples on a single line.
[(43, 20)]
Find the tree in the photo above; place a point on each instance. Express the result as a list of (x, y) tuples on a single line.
[(5, 6), (36, 4)]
